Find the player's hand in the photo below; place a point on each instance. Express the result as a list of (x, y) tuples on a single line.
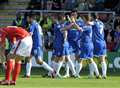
[(73, 19)]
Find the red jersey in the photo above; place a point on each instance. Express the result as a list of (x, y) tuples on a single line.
[(13, 32)]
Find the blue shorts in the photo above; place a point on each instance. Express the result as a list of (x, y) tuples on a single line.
[(100, 48), (86, 51), (37, 52), (61, 50), (75, 47)]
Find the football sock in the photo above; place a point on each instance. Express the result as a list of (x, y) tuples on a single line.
[(54, 65), (47, 67), (91, 70), (71, 65), (28, 68), (16, 71), (94, 66), (59, 65), (67, 69), (78, 68), (104, 68), (9, 69)]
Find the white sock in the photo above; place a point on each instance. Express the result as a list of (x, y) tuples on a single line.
[(59, 65), (78, 68), (28, 68), (49, 57), (54, 65), (104, 68), (71, 65), (95, 68), (67, 69), (47, 67), (91, 70)]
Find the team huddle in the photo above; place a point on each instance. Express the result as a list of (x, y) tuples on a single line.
[(83, 38)]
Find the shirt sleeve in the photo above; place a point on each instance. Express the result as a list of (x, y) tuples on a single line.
[(32, 28), (40, 30)]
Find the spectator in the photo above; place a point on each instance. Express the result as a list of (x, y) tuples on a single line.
[(109, 37), (46, 23), (70, 4), (83, 5), (18, 21), (3, 1), (117, 22), (49, 5), (57, 4), (91, 4), (38, 4), (99, 6), (117, 39)]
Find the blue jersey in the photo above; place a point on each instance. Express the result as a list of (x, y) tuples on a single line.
[(37, 34), (74, 34), (74, 37), (98, 38), (86, 36), (98, 31), (58, 35), (86, 43), (61, 47)]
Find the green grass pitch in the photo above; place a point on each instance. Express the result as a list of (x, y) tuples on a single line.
[(84, 82)]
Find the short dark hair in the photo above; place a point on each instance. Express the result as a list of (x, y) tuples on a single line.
[(31, 14), (87, 17), (95, 15), (73, 11)]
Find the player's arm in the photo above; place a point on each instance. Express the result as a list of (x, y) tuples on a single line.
[(65, 35), (67, 27), (78, 27), (31, 30)]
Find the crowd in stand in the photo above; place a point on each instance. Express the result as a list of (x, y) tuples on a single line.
[(3, 1), (82, 5)]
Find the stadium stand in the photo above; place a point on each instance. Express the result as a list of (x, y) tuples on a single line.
[(8, 11)]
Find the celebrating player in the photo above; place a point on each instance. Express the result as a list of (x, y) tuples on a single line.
[(61, 45), (99, 43), (37, 49), (86, 47), (74, 35)]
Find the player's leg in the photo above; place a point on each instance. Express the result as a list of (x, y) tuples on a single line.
[(53, 64), (59, 65), (44, 64), (91, 71), (67, 70), (28, 67), (9, 68), (104, 66), (78, 67), (94, 67), (38, 54), (71, 65), (16, 70)]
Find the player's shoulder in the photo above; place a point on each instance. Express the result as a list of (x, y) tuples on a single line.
[(57, 26)]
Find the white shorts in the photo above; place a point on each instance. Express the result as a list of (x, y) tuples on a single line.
[(22, 47)]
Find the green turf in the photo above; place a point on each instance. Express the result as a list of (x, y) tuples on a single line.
[(38, 82)]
